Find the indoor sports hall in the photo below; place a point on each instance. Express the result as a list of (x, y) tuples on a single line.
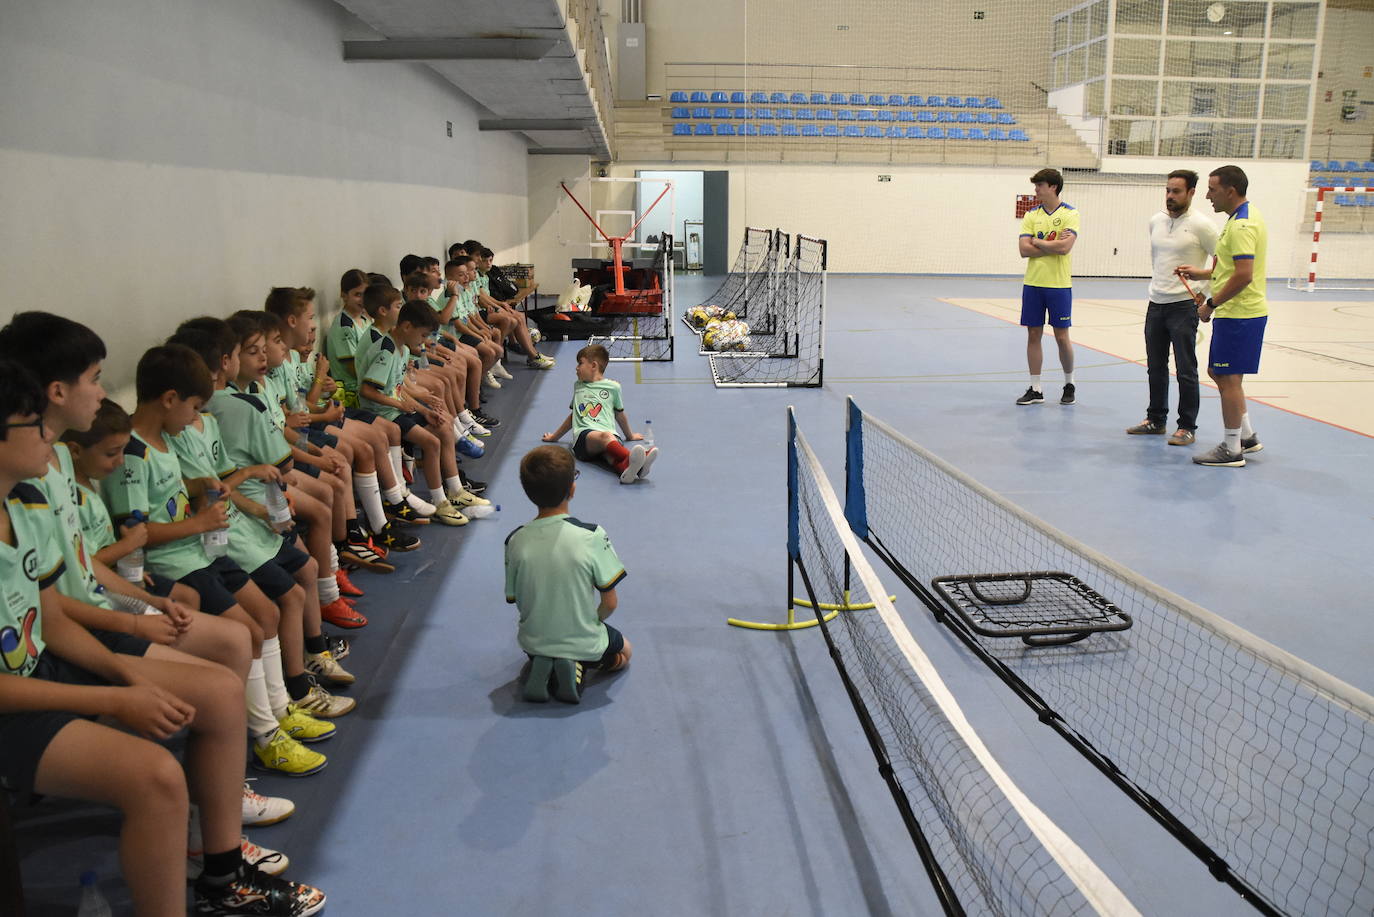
[(1180, 723)]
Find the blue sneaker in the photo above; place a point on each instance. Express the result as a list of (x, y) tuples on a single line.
[(470, 447)]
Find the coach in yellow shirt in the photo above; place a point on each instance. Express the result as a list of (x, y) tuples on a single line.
[(1239, 308), (1047, 235)]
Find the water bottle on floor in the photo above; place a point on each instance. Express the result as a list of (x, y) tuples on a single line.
[(130, 566), (93, 903), (481, 512), (216, 541), (648, 434)]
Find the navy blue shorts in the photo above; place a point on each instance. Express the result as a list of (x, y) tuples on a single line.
[(161, 586), (24, 737), (1042, 306), (409, 421), (1236, 345), (320, 438), (275, 577), (309, 471), (359, 415), (216, 585), (579, 449), (127, 644), (469, 340), (615, 643)]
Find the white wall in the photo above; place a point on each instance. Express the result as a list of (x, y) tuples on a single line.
[(165, 158), (548, 220)]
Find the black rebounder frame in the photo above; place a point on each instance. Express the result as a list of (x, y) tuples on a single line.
[(1043, 608)]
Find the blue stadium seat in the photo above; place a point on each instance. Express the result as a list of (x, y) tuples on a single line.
[(1005, 118), (701, 113), (955, 133), (886, 115), (992, 102), (853, 130), (893, 131), (778, 98), (791, 130), (838, 98), (830, 130), (702, 130), (857, 98), (1367, 166), (966, 117), (914, 101), (845, 114), (936, 133), (758, 98), (770, 130), (1333, 166), (925, 116), (825, 114), (678, 96), (806, 114), (945, 117), (976, 133), (873, 131), (906, 116), (738, 98), (997, 134), (954, 102), (750, 130), (1352, 167), (1018, 135), (741, 114), (973, 102), (719, 97), (895, 99), (986, 117), (699, 96), (1345, 200), (682, 130), (725, 130), (798, 98), (877, 100), (1316, 165), (818, 98), (681, 113), (811, 130), (722, 113), (786, 114), (764, 114), (868, 114), (915, 133)]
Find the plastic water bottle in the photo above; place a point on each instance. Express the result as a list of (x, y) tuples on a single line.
[(93, 903), (481, 512), (278, 511), (648, 435), (216, 541), (130, 566)]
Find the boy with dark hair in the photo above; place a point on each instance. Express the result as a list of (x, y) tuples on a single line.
[(496, 308), (596, 409), (556, 569), (1048, 233)]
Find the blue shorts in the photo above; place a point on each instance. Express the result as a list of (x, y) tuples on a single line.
[(580, 450), (161, 585), (1042, 306), (409, 421), (1236, 345), (217, 584), (321, 438), (24, 737), (360, 415)]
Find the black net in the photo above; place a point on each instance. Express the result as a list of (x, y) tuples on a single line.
[(978, 847), (755, 261), (1261, 764), (783, 344), (644, 338)]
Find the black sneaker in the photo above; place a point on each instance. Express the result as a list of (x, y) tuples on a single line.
[(485, 419), (252, 891), (471, 486), (338, 646), (1031, 397), (404, 513), (1251, 444), (360, 553), (393, 539), (1067, 397)]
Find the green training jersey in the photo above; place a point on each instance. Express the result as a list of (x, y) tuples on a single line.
[(1052, 271), (383, 364), (27, 567), (556, 568), (340, 348), (1244, 237), (594, 406), (248, 435), (61, 492), (150, 481), (96, 526), (201, 453)]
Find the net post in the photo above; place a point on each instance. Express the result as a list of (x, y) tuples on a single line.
[(1316, 238), (855, 503)]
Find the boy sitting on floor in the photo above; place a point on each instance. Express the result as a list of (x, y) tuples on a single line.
[(596, 409), (555, 566)]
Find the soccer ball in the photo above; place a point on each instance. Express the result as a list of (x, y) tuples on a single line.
[(709, 339), (730, 316), (697, 316), (535, 336), (714, 312)]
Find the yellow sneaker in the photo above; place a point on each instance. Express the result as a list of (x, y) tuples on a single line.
[(463, 498), (448, 514), (303, 727), (284, 755)]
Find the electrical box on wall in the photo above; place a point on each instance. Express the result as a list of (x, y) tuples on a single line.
[(631, 67)]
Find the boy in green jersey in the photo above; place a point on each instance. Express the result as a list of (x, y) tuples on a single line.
[(557, 568), (596, 409)]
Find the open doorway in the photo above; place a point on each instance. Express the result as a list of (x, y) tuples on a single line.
[(700, 219)]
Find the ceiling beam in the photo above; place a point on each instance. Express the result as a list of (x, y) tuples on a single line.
[(563, 151), (442, 49), (534, 124)]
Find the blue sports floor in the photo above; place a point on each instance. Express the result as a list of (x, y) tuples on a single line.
[(724, 771)]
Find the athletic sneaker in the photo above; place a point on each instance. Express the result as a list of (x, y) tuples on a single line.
[(539, 361), (485, 419), (341, 614), (259, 810), (363, 554), (284, 755), (1069, 392), (303, 727), (500, 371), (320, 703), (393, 539), (1251, 443), (423, 507), (649, 455), (476, 429), (462, 498), (470, 447), (338, 646), (536, 689), (636, 462), (272, 862), (1031, 397), (448, 514), (324, 665), (491, 381), (567, 681), (346, 587), (1182, 437), (1147, 427), (255, 892), (406, 514), (1221, 457), (471, 486)]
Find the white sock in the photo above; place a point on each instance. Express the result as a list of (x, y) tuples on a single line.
[(420, 506), (395, 453), (453, 485), (272, 675), (437, 497), (333, 558), (328, 588), (1035, 383), (458, 429), (1246, 430), (1068, 378), (394, 495), (370, 496), (261, 722), (1233, 439)]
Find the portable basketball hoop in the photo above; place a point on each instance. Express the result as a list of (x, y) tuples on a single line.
[(622, 300)]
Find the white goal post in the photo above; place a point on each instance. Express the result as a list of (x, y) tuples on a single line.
[(1335, 249)]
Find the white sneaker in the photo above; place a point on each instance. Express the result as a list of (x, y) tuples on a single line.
[(420, 506), (500, 371), (649, 455), (636, 462), (478, 430), (490, 381), (272, 862), (264, 810), (463, 498)]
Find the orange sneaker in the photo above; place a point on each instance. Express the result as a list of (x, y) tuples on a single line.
[(341, 614), (346, 587)]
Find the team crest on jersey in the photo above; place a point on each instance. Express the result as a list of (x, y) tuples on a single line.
[(30, 565), (17, 648)]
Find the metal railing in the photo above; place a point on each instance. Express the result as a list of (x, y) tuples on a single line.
[(590, 39)]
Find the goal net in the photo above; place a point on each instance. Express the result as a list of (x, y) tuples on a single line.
[(644, 338), (1335, 240)]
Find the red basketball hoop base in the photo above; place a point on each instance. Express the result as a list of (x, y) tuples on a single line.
[(632, 302)]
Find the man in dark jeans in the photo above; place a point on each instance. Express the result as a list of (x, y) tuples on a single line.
[(1178, 236)]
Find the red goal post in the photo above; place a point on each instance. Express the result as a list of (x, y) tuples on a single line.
[(1312, 273)]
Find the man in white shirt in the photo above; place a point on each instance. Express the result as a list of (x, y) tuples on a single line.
[(1178, 236)]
